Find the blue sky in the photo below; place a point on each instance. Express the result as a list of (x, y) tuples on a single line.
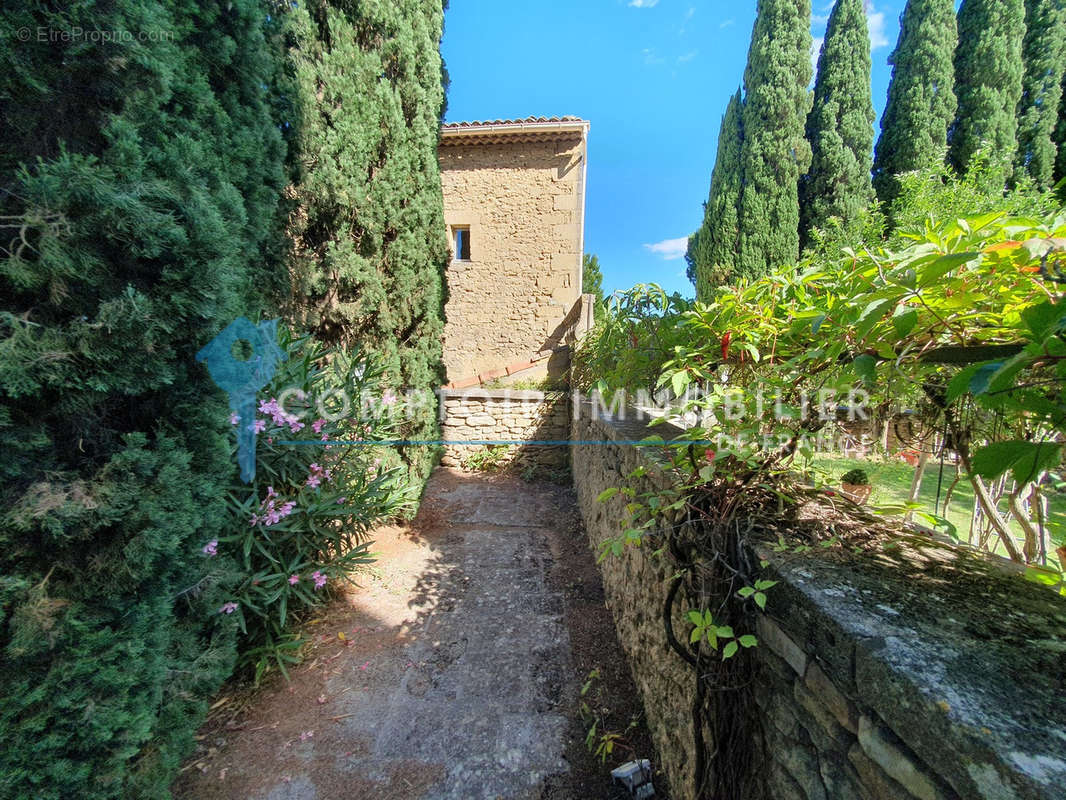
[(652, 76)]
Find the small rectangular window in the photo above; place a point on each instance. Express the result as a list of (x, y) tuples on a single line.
[(462, 244)]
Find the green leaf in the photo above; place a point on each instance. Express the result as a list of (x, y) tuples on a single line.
[(933, 272), (747, 591), (760, 600), (606, 494), (982, 376), (1044, 319), (680, 381), (696, 635), (873, 313), (725, 632), (866, 368), (747, 640), (904, 321), (730, 650), (1043, 575), (765, 584), (960, 384), (1025, 459), (695, 617), (940, 524), (1042, 457)]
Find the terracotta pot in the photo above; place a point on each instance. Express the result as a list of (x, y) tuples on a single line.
[(857, 492)]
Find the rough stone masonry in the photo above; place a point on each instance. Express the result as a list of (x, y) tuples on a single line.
[(515, 188), (918, 672)]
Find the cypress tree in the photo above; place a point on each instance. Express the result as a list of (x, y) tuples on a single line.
[(1060, 135), (1044, 53), (368, 219), (774, 152), (592, 278), (714, 247), (921, 96), (142, 174), (690, 252), (840, 125), (988, 81)]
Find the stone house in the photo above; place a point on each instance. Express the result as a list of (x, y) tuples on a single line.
[(514, 207)]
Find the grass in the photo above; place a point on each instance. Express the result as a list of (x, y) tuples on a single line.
[(892, 484)]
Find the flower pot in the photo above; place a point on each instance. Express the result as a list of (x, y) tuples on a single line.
[(857, 492)]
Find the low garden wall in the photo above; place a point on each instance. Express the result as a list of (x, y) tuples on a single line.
[(920, 672), (487, 417)]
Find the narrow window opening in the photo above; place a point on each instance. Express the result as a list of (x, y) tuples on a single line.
[(462, 244)]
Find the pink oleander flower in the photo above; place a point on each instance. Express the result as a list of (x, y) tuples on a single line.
[(342, 500), (294, 579), (253, 520), (271, 493), (259, 426), (317, 475), (234, 418), (228, 608), (211, 548), (319, 579), (389, 398), (279, 416), (318, 425)]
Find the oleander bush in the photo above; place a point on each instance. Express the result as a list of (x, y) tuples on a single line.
[(321, 482)]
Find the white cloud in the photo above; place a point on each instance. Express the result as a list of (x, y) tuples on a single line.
[(687, 56), (669, 249), (816, 49), (726, 23), (651, 58), (876, 22), (643, 3)]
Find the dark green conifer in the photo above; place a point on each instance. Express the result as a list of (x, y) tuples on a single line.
[(774, 152), (1044, 53), (840, 126), (988, 82), (139, 186), (713, 247), (921, 96), (368, 219), (1060, 135)]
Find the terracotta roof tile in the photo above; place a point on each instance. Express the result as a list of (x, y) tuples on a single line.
[(524, 121)]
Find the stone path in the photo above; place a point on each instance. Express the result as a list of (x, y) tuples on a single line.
[(458, 673)]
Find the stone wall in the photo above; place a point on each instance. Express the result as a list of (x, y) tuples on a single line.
[(522, 202), (917, 672), (505, 415)]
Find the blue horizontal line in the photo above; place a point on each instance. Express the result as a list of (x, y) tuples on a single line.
[(481, 442)]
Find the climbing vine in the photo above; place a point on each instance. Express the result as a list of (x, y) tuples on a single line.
[(965, 324)]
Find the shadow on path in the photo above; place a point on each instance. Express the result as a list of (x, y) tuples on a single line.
[(460, 669)]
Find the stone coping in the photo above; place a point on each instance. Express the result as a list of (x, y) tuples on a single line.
[(501, 394)]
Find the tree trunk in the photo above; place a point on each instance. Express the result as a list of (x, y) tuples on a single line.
[(988, 506), (1032, 537), (1040, 502), (916, 481)]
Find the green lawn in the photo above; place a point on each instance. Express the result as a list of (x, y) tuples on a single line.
[(892, 483)]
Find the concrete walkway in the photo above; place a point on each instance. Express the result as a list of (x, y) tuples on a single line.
[(453, 672)]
